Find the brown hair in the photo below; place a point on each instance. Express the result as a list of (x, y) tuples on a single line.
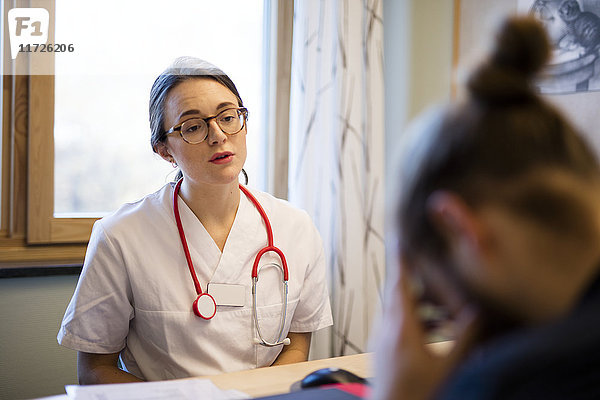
[(481, 148)]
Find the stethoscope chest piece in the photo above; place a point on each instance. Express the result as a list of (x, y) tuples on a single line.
[(205, 306)]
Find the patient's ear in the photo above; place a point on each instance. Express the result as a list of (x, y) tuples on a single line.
[(456, 221)]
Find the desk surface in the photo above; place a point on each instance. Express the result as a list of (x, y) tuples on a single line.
[(279, 379), (276, 380)]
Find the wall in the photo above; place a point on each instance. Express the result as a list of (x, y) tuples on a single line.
[(32, 364), (418, 39), (430, 54)]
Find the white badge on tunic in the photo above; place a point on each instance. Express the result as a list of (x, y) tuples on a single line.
[(226, 294)]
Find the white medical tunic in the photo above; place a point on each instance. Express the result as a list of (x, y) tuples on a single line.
[(135, 293)]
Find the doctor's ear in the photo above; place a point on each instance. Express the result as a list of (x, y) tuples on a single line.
[(456, 221), (163, 151)]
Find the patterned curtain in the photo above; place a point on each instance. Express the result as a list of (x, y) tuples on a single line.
[(337, 153)]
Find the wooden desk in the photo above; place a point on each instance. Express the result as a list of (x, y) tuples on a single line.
[(276, 380)]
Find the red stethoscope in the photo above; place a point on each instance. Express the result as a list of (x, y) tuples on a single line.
[(205, 305)]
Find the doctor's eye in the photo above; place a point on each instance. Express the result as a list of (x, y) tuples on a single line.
[(228, 116), (192, 127)]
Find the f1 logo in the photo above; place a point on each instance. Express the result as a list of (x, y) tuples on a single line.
[(27, 26)]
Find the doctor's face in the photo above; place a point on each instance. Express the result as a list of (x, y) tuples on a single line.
[(218, 159)]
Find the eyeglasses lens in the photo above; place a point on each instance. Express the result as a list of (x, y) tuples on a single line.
[(196, 130)]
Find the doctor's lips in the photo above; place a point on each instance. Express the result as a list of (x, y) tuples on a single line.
[(221, 158)]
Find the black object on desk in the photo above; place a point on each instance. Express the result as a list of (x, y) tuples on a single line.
[(329, 376)]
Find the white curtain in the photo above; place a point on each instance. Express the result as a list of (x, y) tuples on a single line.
[(337, 154)]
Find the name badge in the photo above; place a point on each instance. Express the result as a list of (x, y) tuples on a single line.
[(226, 294)]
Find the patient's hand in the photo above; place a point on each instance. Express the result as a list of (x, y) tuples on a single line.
[(404, 366)]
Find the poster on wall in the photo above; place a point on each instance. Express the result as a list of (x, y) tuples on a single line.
[(572, 82), (574, 30)]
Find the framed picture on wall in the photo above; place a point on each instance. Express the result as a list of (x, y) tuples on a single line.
[(572, 78), (574, 30)]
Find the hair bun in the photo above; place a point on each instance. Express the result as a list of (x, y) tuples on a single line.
[(521, 50)]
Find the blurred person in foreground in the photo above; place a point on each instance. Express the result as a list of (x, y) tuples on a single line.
[(498, 222)]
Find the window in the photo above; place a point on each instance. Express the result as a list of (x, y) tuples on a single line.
[(75, 136), (101, 136)]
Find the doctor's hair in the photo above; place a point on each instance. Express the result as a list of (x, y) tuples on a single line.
[(501, 145), (182, 69)]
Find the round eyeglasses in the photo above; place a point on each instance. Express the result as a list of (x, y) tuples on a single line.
[(195, 130)]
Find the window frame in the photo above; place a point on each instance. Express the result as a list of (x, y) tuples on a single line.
[(42, 225), (27, 117)]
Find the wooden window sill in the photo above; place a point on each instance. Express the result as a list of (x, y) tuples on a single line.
[(16, 253)]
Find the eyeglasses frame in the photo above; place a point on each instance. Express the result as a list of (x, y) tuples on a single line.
[(242, 110)]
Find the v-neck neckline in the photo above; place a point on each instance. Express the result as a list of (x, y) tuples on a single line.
[(207, 258)]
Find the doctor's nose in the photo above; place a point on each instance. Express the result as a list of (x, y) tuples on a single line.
[(215, 133)]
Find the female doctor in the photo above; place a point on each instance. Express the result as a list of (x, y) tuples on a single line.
[(166, 287)]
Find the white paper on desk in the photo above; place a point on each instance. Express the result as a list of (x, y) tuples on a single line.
[(185, 389)]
